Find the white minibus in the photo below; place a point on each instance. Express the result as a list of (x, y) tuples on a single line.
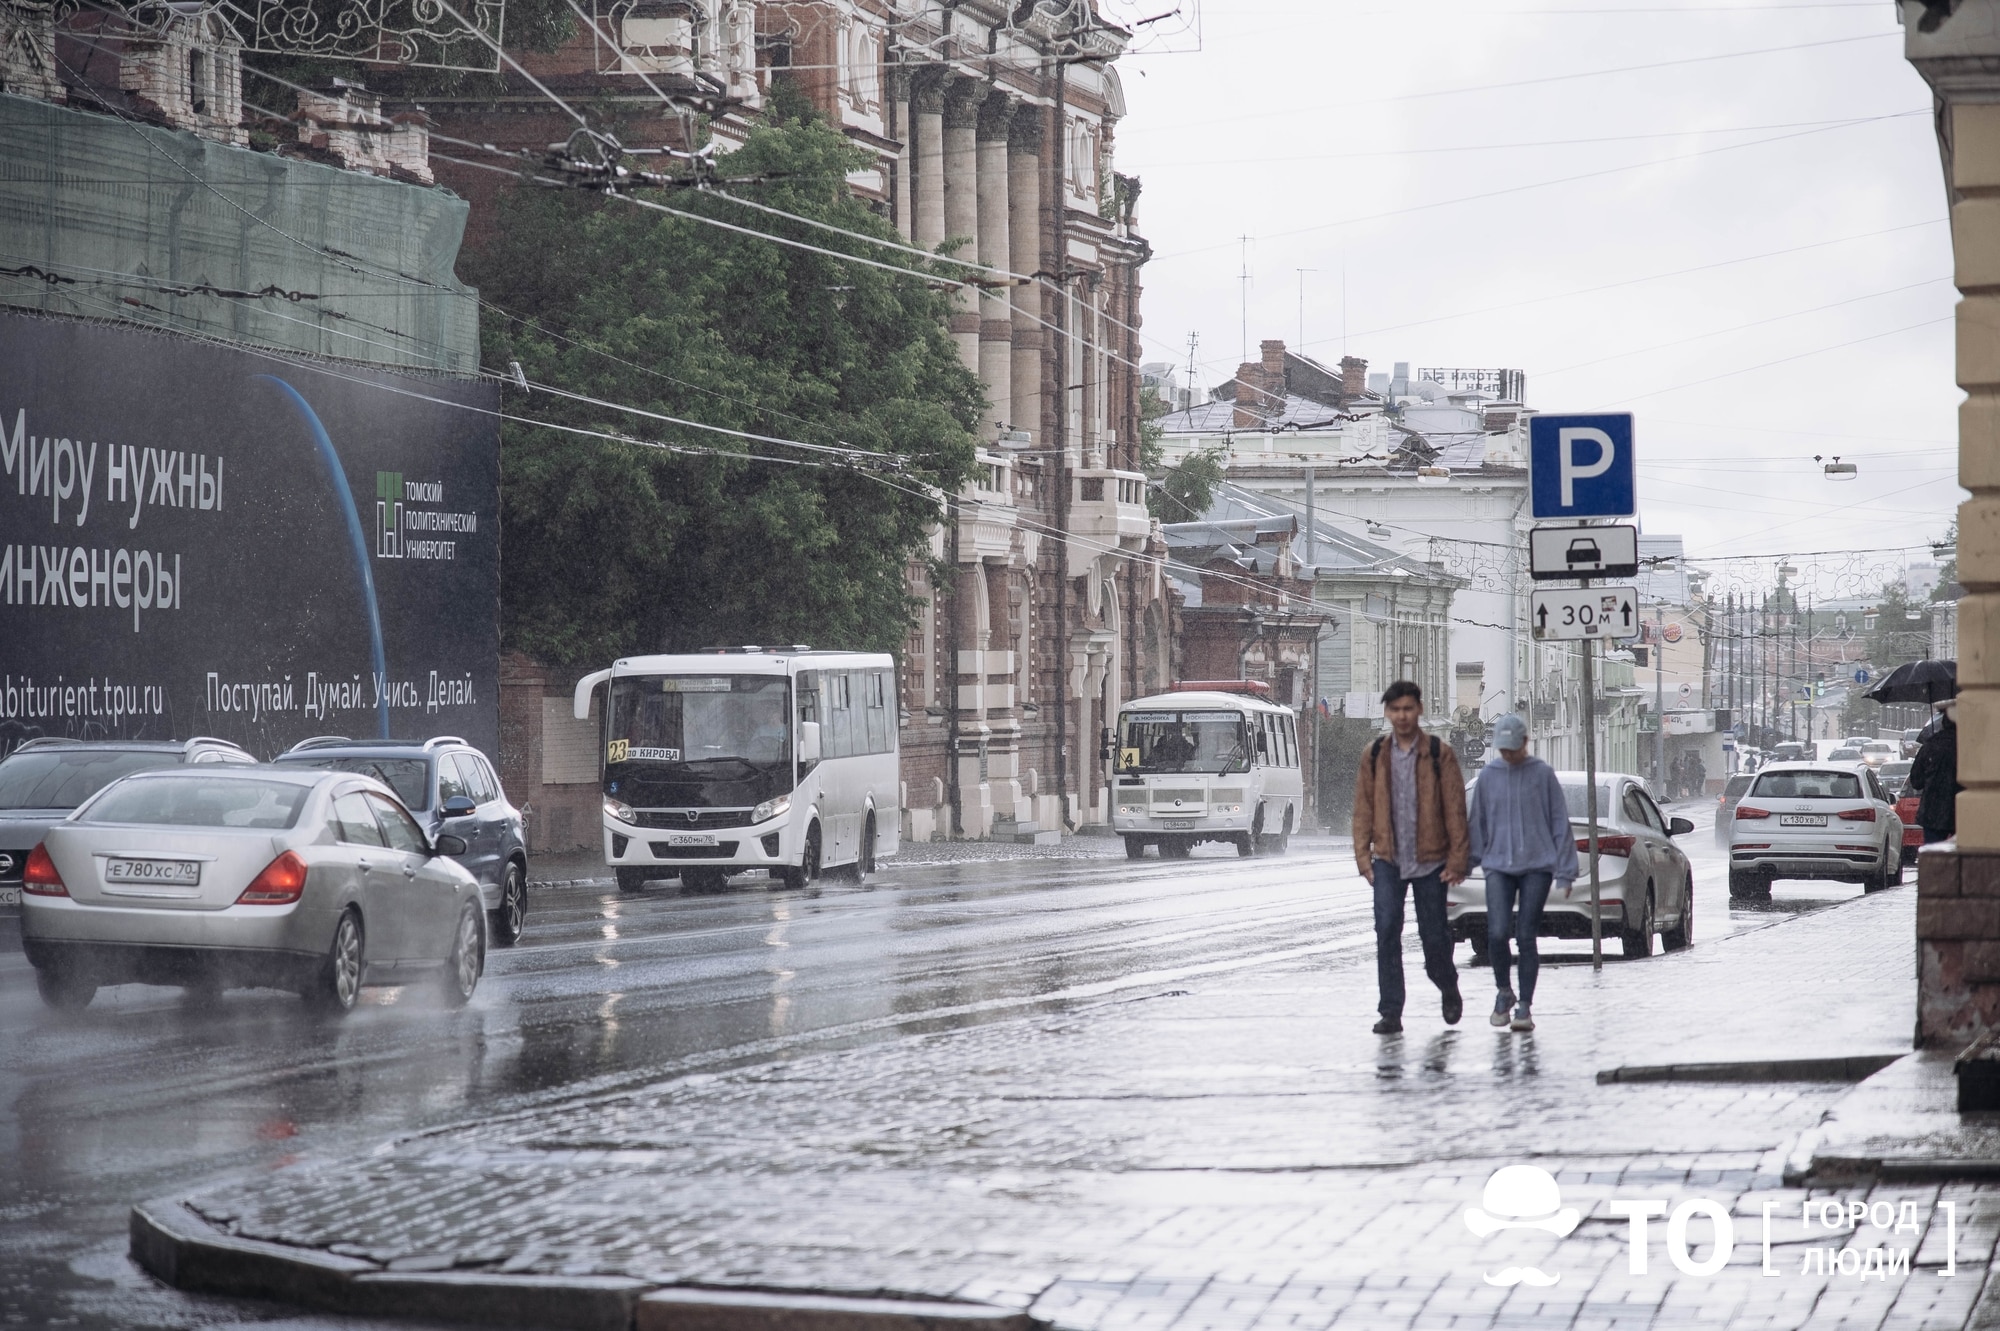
[(1212, 760), (713, 763)]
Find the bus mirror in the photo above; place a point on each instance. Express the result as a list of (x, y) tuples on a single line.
[(809, 742)]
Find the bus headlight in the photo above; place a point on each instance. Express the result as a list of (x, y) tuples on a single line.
[(620, 810), (769, 809)]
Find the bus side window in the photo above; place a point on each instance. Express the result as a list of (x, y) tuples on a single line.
[(875, 708), (838, 737), (1289, 736)]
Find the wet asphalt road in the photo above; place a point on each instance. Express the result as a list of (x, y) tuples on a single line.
[(142, 1094)]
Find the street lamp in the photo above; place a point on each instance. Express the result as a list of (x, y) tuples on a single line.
[(1836, 470)]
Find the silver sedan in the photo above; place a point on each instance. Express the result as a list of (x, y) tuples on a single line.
[(214, 878)]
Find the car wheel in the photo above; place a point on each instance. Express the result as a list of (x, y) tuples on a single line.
[(1639, 942), (467, 960), (1177, 848), (338, 982), (631, 880), (1748, 885), (1277, 843), (1681, 936), (1135, 848), (806, 873), (512, 916), (1246, 845), (1895, 875), (64, 989)]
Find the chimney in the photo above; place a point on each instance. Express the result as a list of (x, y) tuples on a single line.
[(1274, 368), (1353, 377), (1250, 408)]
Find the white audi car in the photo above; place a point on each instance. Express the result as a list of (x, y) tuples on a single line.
[(1822, 820)]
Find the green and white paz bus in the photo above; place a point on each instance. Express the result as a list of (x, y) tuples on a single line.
[(1210, 760)]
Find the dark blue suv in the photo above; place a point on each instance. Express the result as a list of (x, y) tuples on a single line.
[(450, 787)]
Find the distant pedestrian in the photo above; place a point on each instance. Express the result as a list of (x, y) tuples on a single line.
[(1410, 840), (1934, 776), (1520, 834)]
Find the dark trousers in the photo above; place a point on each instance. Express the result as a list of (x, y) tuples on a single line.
[(1935, 834), (1435, 933), (1514, 904)]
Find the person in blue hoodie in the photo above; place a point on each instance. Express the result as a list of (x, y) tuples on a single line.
[(1521, 837)]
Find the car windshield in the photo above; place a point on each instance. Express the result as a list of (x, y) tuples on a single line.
[(195, 802), (1183, 742), (1808, 785), (65, 778), (410, 778), (1843, 755), (1737, 785), (1574, 795), (1896, 771)]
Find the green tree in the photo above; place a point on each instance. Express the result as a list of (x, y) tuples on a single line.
[(1948, 568), (1183, 493), (612, 548)]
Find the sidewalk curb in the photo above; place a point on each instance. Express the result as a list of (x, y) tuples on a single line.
[(1851, 1068), (173, 1243)]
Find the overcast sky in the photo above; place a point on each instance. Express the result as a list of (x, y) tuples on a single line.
[(1799, 182)]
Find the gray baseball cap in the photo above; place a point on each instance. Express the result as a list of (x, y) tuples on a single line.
[(1510, 731)]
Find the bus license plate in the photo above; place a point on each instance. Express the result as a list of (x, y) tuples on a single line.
[(181, 873), (691, 839), (1802, 820), (1179, 822)]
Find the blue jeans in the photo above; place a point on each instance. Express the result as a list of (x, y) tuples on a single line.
[(1432, 930), (1520, 896)]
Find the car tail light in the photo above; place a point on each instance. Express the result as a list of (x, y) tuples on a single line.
[(1857, 815), (280, 884), (1753, 845), (1746, 812), (40, 877), (1608, 845), (1838, 846)]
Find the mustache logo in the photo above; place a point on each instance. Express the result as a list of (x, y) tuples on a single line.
[(1521, 1275)]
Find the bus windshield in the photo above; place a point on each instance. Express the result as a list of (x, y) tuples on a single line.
[(686, 740), (1212, 742)]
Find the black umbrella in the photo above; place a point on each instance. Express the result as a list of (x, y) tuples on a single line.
[(1918, 681)]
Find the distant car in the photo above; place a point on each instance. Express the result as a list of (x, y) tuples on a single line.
[(1789, 751), (1821, 820), (1856, 741), (450, 786), (232, 877), (1877, 752), (1847, 753), (1725, 804), (1895, 775), (1644, 880), (1912, 740), (43, 779)]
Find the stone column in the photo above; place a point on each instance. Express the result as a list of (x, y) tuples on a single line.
[(996, 328), (1024, 244), (1957, 50), (961, 202), (899, 103), (927, 160)]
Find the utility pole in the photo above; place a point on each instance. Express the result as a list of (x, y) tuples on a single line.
[(1243, 279), (1660, 695), (1061, 451), (1302, 307)]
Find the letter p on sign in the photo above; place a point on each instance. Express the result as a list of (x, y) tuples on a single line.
[(1582, 466)]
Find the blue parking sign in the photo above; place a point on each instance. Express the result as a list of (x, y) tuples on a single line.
[(1582, 466)]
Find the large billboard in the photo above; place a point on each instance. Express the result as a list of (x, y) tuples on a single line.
[(198, 539)]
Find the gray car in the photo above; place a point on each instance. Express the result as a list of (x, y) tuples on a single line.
[(450, 786), (43, 779), (233, 877)]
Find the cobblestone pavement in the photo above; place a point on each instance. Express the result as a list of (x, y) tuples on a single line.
[(1224, 1147)]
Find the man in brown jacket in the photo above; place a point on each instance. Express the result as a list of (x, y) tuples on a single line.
[(1410, 838)]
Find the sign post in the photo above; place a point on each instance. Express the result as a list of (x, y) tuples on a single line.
[(1579, 468)]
